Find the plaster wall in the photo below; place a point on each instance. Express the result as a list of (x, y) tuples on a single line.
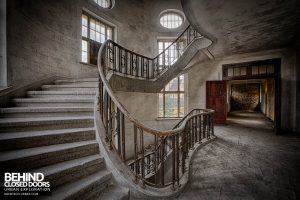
[(44, 37), (3, 56)]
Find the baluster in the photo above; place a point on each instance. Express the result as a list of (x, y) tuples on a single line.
[(118, 131), (135, 152), (173, 162), (155, 159), (114, 58), (123, 137), (212, 124), (143, 157), (177, 158), (131, 64), (162, 161)]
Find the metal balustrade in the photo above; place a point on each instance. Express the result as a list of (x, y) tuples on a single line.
[(155, 152)]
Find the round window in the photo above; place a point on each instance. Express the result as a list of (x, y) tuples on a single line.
[(104, 3), (171, 20)]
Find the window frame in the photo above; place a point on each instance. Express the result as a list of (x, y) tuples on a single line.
[(177, 92), (173, 22), (88, 38), (100, 3)]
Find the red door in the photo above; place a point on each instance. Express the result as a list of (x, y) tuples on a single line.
[(216, 100)]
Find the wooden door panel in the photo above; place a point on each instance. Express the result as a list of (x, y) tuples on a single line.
[(216, 100)]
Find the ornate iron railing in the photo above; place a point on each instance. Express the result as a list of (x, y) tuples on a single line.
[(124, 61), (151, 149)]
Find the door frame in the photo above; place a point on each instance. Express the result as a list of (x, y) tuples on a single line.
[(276, 75)]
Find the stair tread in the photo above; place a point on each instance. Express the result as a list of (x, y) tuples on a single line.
[(24, 134), (71, 188), (61, 92), (86, 85), (55, 168), (22, 153), (5, 121), (114, 192), (62, 99), (79, 79), (45, 109)]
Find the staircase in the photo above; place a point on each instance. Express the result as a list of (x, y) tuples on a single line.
[(52, 131)]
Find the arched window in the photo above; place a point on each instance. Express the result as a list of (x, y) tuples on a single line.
[(104, 3), (171, 19)]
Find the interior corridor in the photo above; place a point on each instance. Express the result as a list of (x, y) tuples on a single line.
[(246, 161)]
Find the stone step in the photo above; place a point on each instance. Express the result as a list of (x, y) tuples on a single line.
[(113, 192), (30, 139), (45, 123), (82, 80), (20, 112), (54, 102), (63, 94), (82, 87), (64, 172), (26, 159), (84, 188)]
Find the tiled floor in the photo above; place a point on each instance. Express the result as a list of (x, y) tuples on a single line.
[(247, 161)]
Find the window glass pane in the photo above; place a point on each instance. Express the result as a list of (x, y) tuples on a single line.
[(181, 83), (104, 3), (97, 37), (84, 45), (92, 34), (84, 31), (181, 105), (171, 105), (92, 24), (262, 69), (84, 19), (160, 106), (84, 57), (171, 20), (109, 33), (243, 71), (230, 72), (172, 85), (102, 38), (254, 70), (98, 26), (236, 71), (102, 29)]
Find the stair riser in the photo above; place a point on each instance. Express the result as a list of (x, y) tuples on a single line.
[(92, 89), (45, 159), (47, 114), (75, 173), (77, 83), (61, 96), (53, 104), (38, 141), (53, 126), (90, 191)]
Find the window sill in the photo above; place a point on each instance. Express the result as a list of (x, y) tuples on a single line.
[(167, 118), (91, 65)]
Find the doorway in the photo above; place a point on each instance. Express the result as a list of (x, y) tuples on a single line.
[(250, 87), (252, 102)]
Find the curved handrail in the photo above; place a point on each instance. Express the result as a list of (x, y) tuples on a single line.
[(134, 64), (113, 115)]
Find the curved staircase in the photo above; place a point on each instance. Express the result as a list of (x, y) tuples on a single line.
[(52, 131)]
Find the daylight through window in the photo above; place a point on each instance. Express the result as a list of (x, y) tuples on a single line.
[(171, 20), (94, 33)]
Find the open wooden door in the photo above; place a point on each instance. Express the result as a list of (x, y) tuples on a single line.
[(216, 100)]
